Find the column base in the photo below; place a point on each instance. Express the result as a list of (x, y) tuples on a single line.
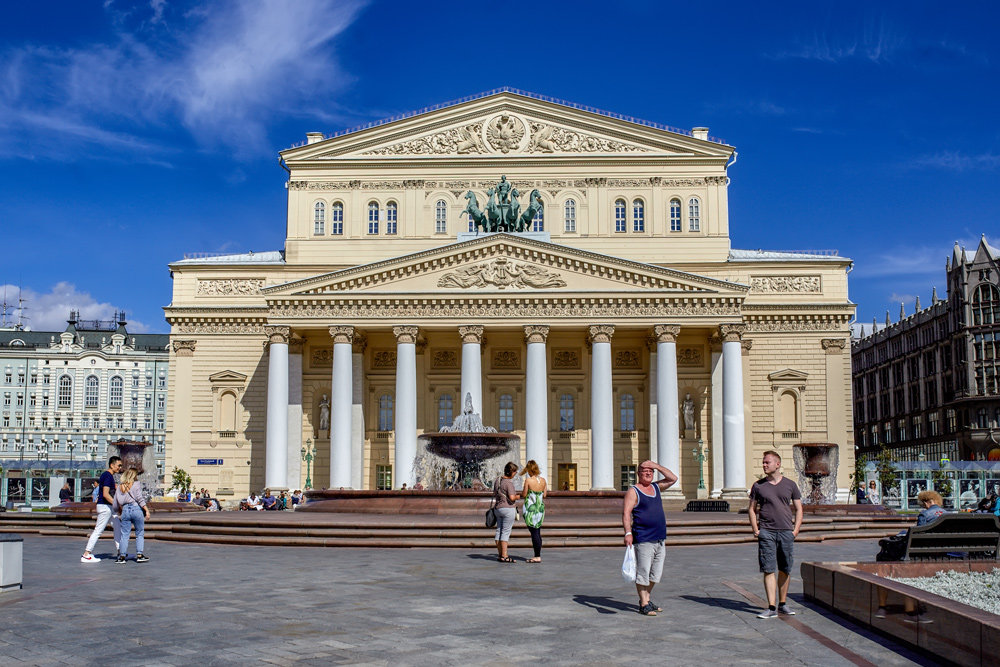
[(734, 494), (603, 488), (673, 493), (277, 489)]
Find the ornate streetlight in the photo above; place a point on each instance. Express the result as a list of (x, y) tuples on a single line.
[(76, 486), (307, 456), (699, 456)]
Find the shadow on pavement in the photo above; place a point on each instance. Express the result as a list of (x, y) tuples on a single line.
[(725, 603), (604, 605)]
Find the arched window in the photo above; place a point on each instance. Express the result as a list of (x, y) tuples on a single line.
[(91, 391), (638, 216), (538, 222), (446, 410), (391, 216), (441, 217), (319, 219), (337, 218), (569, 216), (385, 414), (65, 392), (626, 412), (567, 416), (694, 215), (620, 215), (506, 420), (675, 215), (985, 305), (373, 217), (788, 412), (227, 411), (115, 393)]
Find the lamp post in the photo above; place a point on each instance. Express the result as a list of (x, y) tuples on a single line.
[(307, 456), (76, 486), (699, 456)]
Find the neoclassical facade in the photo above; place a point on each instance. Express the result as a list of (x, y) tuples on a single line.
[(619, 325)]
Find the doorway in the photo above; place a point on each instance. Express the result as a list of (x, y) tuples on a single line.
[(566, 477)]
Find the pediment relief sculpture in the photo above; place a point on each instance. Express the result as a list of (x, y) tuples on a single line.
[(501, 272)]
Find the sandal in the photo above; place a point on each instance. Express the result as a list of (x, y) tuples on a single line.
[(533, 560), (507, 559), (655, 606), (647, 610)]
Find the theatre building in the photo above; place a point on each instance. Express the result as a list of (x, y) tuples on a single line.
[(607, 321)]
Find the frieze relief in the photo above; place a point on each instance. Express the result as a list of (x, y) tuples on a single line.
[(506, 359), (550, 139), (566, 359), (523, 184), (219, 328), (786, 284), (629, 359), (230, 286), (503, 273), (383, 359), (691, 357), (444, 359), (517, 310), (792, 325), (321, 357), (458, 140)]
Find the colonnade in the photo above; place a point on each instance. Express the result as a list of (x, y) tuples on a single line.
[(343, 403)]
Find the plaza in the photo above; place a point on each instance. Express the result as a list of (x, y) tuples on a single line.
[(220, 605)]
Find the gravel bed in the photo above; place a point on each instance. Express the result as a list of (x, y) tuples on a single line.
[(978, 589)]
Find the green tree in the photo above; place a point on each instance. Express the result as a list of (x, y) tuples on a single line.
[(858, 476), (885, 470), (181, 480), (942, 484)]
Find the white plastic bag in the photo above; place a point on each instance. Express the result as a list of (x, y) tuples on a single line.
[(628, 565)]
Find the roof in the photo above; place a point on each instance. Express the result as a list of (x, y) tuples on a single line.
[(268, 257), (35, 339), (784, 256)]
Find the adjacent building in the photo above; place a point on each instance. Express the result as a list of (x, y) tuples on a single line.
[(67, 394), (619, 325), (927, 386)]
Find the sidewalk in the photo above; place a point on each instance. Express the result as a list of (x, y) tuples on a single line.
[(221, 605)]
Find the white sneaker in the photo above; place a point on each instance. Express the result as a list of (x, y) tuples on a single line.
[(768, 613), (90, 559), (783, 609)]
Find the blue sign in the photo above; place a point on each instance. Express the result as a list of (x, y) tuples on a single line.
[(210, 462)]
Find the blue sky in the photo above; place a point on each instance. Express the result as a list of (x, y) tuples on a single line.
[(134, 132)]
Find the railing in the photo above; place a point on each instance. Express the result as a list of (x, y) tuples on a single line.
[(227, 434), (567, 434), (383, 435), (790, 434), (628, 435)]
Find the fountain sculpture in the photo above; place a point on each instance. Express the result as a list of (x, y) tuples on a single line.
[(816, 465)]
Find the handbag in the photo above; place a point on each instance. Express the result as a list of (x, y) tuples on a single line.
[(491, 513)]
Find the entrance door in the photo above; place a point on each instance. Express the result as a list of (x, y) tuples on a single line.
[(566, 477)]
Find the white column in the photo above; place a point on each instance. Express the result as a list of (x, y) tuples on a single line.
[(340, 407), (667, 417), (358, 411), (276, 443), (602, 452), (734, 471), (536, 398), (472, 367), (653, 407), (406, 406), (716, 443), (294, 469)]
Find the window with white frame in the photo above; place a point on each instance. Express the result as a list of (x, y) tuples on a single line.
[(373, 217), (638, 216), (91, 391), (115, 393), (319, 219), (337, 218), (472, 223), (385, 413), (569, 216), (148, 402), (391, 217), (506, 414), (694, 215), (446, 410), (161, 402), (620, 222), (441, 217), (567, 412), (65, 391), (675, 215), (538, 222), (626, 412)]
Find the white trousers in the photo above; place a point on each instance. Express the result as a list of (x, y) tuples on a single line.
[(103, 516)]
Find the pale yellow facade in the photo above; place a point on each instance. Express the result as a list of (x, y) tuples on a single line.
[(790, 312)]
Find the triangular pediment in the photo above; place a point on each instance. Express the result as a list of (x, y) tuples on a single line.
[(506, 264), (788, 375), (227, 377), (507, 123)]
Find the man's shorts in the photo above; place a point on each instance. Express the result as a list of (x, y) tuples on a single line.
[(774, 550), (649, 558)]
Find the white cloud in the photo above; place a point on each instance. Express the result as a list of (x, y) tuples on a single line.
[(49, 311), (874, 41), (903, 261), (955, 161), (222, 72)]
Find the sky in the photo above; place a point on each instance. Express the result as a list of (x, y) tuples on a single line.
[(132, 133)]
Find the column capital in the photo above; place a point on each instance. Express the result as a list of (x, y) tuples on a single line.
[(184, 348), (731, 333), (276, 334), (295, 345), (342, 334), (746, 344), (666, 333), (833, 345), (601, 333), (405, 334), (472, 333), (536, 333)]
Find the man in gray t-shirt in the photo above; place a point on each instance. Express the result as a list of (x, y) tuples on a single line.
[(775, 528)]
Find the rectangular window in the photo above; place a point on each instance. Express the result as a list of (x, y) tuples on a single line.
[(567, 420), (148, 403), (506, 413), (383, 478), (933, 423), (628, 477), (32, 401), (446, 411)]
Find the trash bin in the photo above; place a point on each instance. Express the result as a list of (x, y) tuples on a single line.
[(11, 550)]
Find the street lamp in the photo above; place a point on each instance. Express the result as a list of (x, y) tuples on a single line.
[(699, 456), (76, 486), (307, 456)]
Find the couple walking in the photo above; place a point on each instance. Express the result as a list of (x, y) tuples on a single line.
[(124, 505), (504, 500)]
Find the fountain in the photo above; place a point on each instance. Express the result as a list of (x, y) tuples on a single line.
[(816, 465), (465, 455)]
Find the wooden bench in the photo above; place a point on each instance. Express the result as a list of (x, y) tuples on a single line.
[(707, 506), (976, 535)]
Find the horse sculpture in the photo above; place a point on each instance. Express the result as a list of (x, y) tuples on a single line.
[(534, 206), (472, 208), (492, 212), (513, 212)]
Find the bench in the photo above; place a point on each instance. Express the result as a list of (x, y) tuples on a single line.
[(974, 536), (707, 506)]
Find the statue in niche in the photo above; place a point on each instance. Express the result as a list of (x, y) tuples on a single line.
[(324, 413), (688, 410)]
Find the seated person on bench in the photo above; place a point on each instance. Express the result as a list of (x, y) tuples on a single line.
[(930, 501)]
